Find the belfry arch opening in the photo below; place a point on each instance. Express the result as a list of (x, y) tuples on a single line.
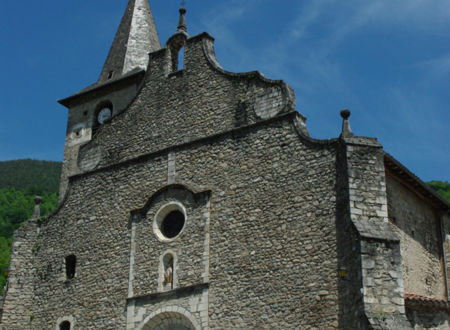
[(177, 51)]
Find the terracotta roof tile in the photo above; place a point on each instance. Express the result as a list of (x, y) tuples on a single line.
[(418, 301)]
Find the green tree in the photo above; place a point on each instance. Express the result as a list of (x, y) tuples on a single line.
[(441, 187)]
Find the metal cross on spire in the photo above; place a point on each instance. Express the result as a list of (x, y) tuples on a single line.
[(183, 3)]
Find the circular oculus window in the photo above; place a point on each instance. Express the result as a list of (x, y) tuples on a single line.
[(169, 221)]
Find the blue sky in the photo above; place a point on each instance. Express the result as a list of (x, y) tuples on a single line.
[(388, 61)]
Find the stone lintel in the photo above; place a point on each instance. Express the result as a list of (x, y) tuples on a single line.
[(175, 293)]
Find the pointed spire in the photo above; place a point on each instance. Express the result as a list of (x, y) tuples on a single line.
[(136, 37), (346, 130), (182, 22)]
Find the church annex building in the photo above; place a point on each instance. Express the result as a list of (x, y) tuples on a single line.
[(195, 198)]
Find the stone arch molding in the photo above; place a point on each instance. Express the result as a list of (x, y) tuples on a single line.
[(60, 320), (169, 317)]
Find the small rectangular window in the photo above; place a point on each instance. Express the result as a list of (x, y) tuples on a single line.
[(71, 262)]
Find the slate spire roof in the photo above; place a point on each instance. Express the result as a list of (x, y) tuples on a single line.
[(136, 37)]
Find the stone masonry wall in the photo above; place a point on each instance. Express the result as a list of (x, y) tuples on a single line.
[(18, 305), (273, 238), (351, 304), (418, 228), (380, 250), (273, 255), (429, 319)]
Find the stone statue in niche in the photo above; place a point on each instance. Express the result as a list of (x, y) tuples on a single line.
[(168, 276), (168, 273)]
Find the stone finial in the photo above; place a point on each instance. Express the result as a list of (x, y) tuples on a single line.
[(346, 130), (182, 22), (37, 207)]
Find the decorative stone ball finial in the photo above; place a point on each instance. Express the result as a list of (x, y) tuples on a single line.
[(37, 208), (346, 130), (345, 113)]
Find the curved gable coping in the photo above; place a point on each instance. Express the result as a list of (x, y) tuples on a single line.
[(208, 52), (305, 138)]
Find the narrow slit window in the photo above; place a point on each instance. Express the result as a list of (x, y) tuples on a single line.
[(71, 262)]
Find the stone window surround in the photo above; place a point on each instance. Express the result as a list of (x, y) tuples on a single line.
[(62, 319), (160, 216)]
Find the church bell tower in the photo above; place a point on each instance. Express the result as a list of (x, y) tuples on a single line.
[(118, 84)]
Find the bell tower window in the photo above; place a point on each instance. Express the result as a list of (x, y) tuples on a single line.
[(177, 54)]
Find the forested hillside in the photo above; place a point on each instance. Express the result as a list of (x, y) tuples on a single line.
[(20, 182), (24, 173), (442, 188)]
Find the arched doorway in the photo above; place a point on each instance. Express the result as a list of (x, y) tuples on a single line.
[(170, 321)]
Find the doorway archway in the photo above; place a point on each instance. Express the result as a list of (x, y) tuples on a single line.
[(177, 319)]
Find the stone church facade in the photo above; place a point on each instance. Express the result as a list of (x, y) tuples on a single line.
[(194, 198)]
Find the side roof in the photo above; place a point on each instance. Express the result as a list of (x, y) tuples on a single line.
[(421, 187)]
